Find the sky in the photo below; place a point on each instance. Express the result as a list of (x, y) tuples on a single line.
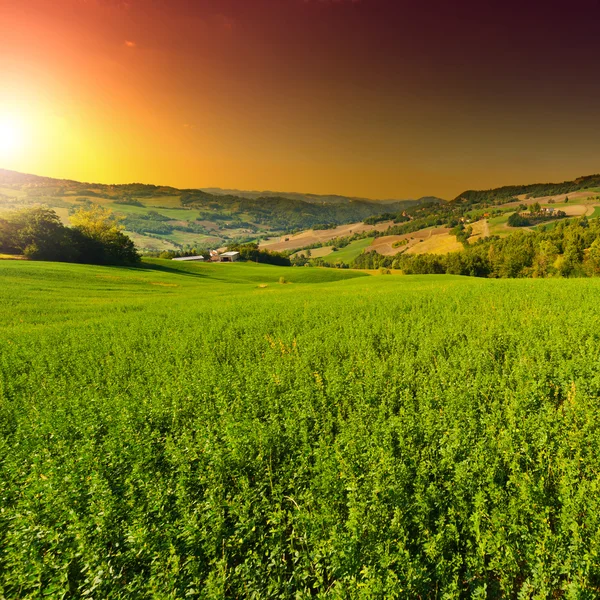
[(371, 98)]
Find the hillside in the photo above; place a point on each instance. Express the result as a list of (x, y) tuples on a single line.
[(205, 431), (162, 218), (315, 198), (437, 229), (535, 190)]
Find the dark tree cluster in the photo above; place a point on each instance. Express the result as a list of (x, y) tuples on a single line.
[(251, 252), (39, 234)]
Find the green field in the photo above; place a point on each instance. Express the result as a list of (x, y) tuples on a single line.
[(205, 431), (348, 253), (181, 214), (498, 225)]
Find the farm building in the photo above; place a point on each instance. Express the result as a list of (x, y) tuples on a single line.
[(229, 256), (197, 258)]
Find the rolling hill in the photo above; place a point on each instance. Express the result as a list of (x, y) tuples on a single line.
[(535, 190), (163, 217)]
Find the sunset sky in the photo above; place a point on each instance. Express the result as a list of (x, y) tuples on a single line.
[(375, 98)]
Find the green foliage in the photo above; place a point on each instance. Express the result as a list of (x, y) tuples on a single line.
[(38, 234), (517, 220), (172, 433), (565, 250), (129, 202), (282, 213), (251, 252), (462, 233), (536, 190), (347, 253), (387, 216), (324, 226)]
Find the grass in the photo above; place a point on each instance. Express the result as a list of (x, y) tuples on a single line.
[(314, 252), (351, 251), (499, 225), (183, 430), (146, 242), (12, 193), (180, 214)]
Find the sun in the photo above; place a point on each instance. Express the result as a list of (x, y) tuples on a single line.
[(11, 136)]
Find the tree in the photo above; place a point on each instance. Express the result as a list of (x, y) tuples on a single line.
[(535, 208), (517, 220), (544, 258), (101, 236), (39, 234), (592, 262), (252, 252), (8, 241)]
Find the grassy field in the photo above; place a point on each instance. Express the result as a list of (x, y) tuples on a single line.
[(181, 214), (348, 253), (206, 431)]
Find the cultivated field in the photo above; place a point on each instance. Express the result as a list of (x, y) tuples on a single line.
[(312, 236), (206, 431), (434, 240)]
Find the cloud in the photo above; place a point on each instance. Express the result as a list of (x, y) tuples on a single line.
[(130, 44)]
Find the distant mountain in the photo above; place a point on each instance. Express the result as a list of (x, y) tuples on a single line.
[(15, 178), (312, 198), (535, 190)]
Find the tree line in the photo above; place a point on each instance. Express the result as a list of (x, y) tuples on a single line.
[(96, 237), (569, 249)]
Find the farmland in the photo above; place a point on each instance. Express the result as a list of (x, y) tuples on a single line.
[(207, 431), (164, 218)]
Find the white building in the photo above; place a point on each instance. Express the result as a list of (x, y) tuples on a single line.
[(229, 256), (189, 258)]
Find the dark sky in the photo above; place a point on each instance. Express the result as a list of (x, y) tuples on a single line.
[(364, 97)]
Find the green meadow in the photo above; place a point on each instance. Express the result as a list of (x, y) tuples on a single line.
[(248, 431), (350, 252)]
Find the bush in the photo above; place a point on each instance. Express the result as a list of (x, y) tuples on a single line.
[(517, 220), (95, 238)]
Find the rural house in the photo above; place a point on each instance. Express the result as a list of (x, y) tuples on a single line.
[(229, 256)]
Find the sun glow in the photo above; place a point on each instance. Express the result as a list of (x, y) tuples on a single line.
[(11, 136)]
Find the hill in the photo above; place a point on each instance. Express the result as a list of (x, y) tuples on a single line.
[(316, 198), (205, 431), (535, 190), (162, 217)]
